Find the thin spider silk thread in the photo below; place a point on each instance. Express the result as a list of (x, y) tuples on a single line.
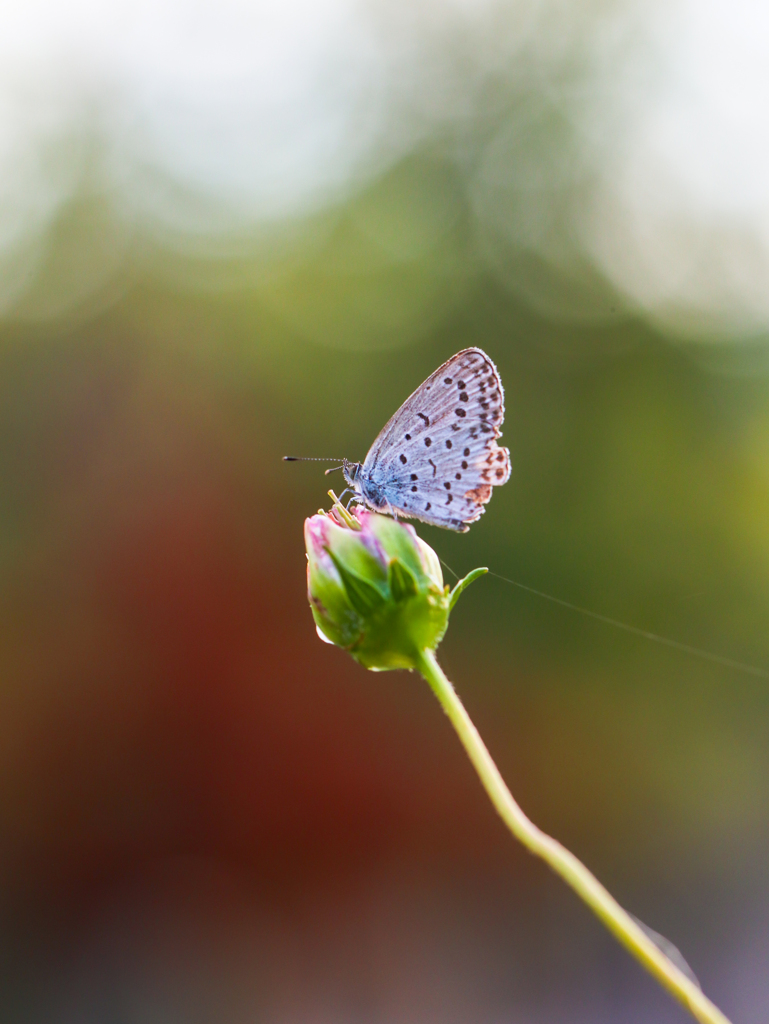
[(677, 645)]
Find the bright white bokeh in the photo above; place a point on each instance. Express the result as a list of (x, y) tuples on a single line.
[(680, 221), (614, 155)]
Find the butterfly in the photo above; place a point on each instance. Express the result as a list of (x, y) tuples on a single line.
[(437, 459)]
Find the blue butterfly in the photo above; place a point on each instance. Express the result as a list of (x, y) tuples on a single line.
[(437, 459)]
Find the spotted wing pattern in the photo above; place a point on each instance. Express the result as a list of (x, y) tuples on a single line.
[(437, 459)]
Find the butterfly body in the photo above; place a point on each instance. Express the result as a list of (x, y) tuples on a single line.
[(437, 459)]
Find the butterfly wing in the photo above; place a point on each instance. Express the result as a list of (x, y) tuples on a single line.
[(437, 459)]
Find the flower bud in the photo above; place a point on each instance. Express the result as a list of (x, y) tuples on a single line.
[(375, 587)]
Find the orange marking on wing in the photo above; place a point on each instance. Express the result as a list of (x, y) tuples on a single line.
[(480, 495)]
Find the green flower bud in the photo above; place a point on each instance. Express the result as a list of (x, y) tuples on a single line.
[(375, 587)]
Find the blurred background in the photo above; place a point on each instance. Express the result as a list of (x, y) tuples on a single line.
[(235, 230)]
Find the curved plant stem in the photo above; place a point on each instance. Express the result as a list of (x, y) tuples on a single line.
[(564, 863)]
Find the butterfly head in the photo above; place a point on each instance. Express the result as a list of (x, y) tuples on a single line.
[(352, 472), (364, 488)]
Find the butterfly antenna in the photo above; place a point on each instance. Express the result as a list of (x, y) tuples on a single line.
[(304, 458)]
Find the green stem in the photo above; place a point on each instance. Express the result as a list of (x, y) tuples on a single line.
[(564, 863)]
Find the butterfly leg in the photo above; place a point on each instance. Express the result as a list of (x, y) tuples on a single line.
[(353, 497)]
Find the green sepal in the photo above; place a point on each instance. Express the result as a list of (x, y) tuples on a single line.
[(399, 541), (471, 577), (364, 596), (359, 556), (402, 582)]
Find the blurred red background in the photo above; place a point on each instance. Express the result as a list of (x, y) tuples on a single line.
[(231, 234)]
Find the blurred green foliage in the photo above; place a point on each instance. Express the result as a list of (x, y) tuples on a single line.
[(640, 490)]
